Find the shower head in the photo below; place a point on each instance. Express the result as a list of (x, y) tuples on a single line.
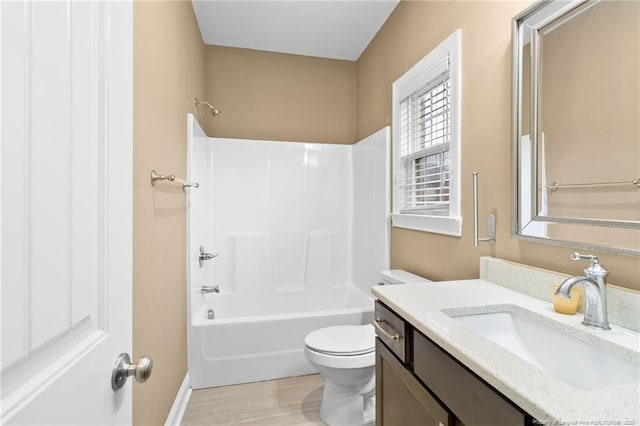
[(214, 111)]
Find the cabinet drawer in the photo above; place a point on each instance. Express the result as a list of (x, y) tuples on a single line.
[(390, 328), (468, 397)]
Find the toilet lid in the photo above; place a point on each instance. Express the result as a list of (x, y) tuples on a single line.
[(342, 340)]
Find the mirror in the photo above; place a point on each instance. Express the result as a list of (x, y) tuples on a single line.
[(577, 124)]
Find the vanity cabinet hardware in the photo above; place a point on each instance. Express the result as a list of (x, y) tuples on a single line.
[(390, 329), (471, 400), (401, 400), (378, 325)]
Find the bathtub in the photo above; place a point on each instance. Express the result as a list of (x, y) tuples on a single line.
[(256, 337)]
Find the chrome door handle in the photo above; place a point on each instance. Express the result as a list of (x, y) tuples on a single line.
[(205, 256), (378, 325), (209, 289), (123, 368)]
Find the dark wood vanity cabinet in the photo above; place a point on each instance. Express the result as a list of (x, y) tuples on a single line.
[(427, 386), (400, 399)]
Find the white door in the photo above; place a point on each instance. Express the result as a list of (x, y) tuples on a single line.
[(66, 125)]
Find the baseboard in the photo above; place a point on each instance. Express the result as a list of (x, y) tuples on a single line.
[(180, 403)]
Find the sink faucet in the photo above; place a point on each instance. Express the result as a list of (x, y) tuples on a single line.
[(595, 290)]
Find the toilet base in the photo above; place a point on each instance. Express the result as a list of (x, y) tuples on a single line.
[(348, 405)]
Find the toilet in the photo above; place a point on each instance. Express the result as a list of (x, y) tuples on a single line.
[(345, 357)]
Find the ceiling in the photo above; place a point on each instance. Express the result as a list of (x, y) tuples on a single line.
[(337, 29)]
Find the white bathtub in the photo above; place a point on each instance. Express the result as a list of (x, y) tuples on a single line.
[(261, 336)]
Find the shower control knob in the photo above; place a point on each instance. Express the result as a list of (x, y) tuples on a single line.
[(205, 256), (123, 368)]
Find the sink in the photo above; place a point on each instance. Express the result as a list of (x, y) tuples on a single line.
[(573, 361)]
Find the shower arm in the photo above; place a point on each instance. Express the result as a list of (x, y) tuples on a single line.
[(214, 110)]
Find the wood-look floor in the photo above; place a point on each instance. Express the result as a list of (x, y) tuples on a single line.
[(291, 401)]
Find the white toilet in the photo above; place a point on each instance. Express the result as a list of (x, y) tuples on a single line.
[(345, 357)]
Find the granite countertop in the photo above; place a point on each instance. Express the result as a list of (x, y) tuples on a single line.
[(542, 395)]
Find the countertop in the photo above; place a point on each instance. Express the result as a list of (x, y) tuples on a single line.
[(542, 395)]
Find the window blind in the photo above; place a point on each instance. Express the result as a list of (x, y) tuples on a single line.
[(425, 129)]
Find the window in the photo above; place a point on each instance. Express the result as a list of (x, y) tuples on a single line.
[(426, 140)]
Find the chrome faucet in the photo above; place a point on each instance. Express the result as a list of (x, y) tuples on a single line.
[(209, 289), (595, 290)]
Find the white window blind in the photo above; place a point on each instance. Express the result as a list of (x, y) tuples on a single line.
[(426, 142), (425, 125)]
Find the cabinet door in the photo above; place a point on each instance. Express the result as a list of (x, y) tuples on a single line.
[(400, 399), (468, 397)]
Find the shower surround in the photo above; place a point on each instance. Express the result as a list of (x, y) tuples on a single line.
[(301, 233)]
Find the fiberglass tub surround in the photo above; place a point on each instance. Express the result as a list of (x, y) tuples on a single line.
[(300, 234)]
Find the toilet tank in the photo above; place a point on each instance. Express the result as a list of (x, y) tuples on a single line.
[(399, 276)]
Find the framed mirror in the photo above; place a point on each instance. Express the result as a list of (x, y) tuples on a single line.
[(577, 124)]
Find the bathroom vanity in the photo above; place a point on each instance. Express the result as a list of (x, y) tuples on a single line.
[(436, 363), (418, 382)]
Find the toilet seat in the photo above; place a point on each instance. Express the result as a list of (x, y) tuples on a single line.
[(342, 340), (342, 347), (340, 362)]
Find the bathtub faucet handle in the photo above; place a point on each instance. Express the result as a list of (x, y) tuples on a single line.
[(205, 256), (210, 289)]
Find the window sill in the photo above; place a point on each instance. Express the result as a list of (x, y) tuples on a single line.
[(435, 224)]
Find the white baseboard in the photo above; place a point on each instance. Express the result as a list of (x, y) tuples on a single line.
[(180, 403)]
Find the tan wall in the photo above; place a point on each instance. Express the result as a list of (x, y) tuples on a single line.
[(414, 29), (275, 96), (168, 74)]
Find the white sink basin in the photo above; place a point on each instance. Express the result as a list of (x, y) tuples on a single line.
[(577, 363)]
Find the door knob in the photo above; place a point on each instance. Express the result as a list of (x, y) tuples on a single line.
[(123, 368)]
